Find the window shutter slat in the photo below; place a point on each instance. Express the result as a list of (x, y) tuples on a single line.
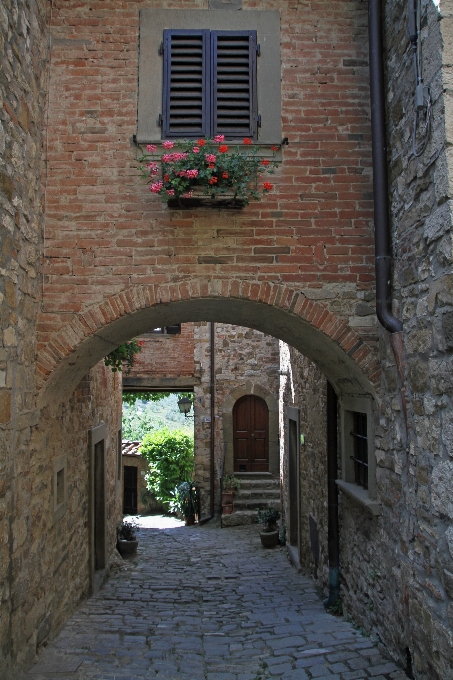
[(186, 105), (234, 102)]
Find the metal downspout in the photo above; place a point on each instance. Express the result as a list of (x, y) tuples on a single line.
[(383, 253), (380, 179)]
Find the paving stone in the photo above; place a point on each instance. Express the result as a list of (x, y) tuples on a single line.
[(233, 612)]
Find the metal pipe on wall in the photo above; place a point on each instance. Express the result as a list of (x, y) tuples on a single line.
[(382, 239), (383, 256)]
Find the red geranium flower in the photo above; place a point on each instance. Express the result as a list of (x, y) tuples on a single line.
[(213, 180), (265, 161), (211, 165), (274, 148), (225, 175), (247, 140), (201, 142), (166, 178), (267, 186), (223, 148)]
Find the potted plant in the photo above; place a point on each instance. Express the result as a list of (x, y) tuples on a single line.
[(270, 534), (207, 172), (230, 484), (187, 502), (126, 534)]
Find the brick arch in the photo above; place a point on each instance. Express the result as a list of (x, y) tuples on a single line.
[(347, 360)]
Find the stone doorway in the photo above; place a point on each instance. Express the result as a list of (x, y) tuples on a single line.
[(130, 490), (251, 434)]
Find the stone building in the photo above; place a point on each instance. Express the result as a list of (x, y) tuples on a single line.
[(89, 258), (221, 364)]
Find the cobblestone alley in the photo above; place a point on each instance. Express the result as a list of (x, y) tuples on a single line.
[(208, 604)]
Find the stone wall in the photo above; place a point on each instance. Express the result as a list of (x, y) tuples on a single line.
[(49, 548), (245, 360), (304, 387), (23, 60)]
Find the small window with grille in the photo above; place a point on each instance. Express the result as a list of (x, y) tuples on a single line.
[(209, 84), (360, 457), (166, 330)]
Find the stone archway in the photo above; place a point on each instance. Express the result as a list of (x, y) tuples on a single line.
[(257, 390), (350, 363)]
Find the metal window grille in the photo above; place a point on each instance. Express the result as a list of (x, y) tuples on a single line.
[(167, 330), (209, 85), (360, 456)]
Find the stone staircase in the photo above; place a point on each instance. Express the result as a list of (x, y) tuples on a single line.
[(258, 490)]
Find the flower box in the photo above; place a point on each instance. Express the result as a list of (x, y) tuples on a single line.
[(207, 173)]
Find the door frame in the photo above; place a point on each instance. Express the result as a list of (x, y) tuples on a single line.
[(97, 507), (134, 467), (227, 421), (251, 430), (293, 484)]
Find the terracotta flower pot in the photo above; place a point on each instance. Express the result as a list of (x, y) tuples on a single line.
[(227, 509), (127, 547), (227, 497), (190, 520), (269, 539)]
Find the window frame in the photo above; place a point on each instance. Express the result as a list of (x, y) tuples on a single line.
[(152, 25), (349, 406)]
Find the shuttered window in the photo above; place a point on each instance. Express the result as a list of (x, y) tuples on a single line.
[(209, 85)]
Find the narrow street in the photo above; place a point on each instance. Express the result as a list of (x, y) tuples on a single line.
[(208, 604)]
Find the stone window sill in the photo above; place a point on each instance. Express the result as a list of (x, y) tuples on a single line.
[(360, 495), (59, 512)]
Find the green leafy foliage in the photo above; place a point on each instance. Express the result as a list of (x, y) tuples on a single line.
[(131, 397), (126, 530), (124, 355), (170, 455), (269, 517), (230, 482), (141, 417), (210, 164)]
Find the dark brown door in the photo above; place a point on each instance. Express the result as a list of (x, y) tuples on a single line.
[(251, 435), (130, 490)]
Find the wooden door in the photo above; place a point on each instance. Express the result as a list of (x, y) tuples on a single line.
[(130, 490), (251, 434)]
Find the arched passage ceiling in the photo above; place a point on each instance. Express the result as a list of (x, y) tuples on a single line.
[(350, 370)]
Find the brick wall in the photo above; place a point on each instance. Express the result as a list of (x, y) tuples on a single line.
[(106, 234), (166, 356)]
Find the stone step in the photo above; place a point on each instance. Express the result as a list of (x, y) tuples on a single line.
[(259, 484), (251, 476), (254, 503), (239, 518), (245, 494)]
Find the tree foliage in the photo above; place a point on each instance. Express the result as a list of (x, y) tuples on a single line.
[(170, 454), (124, 355), (131, 397)]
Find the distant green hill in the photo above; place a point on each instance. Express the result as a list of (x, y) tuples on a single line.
[(145, 416)]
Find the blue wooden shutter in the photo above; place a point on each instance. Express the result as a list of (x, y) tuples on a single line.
[(186, 101), (233, 89)]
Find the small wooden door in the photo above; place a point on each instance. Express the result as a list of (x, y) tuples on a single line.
[(251, 434), (130, 490)]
